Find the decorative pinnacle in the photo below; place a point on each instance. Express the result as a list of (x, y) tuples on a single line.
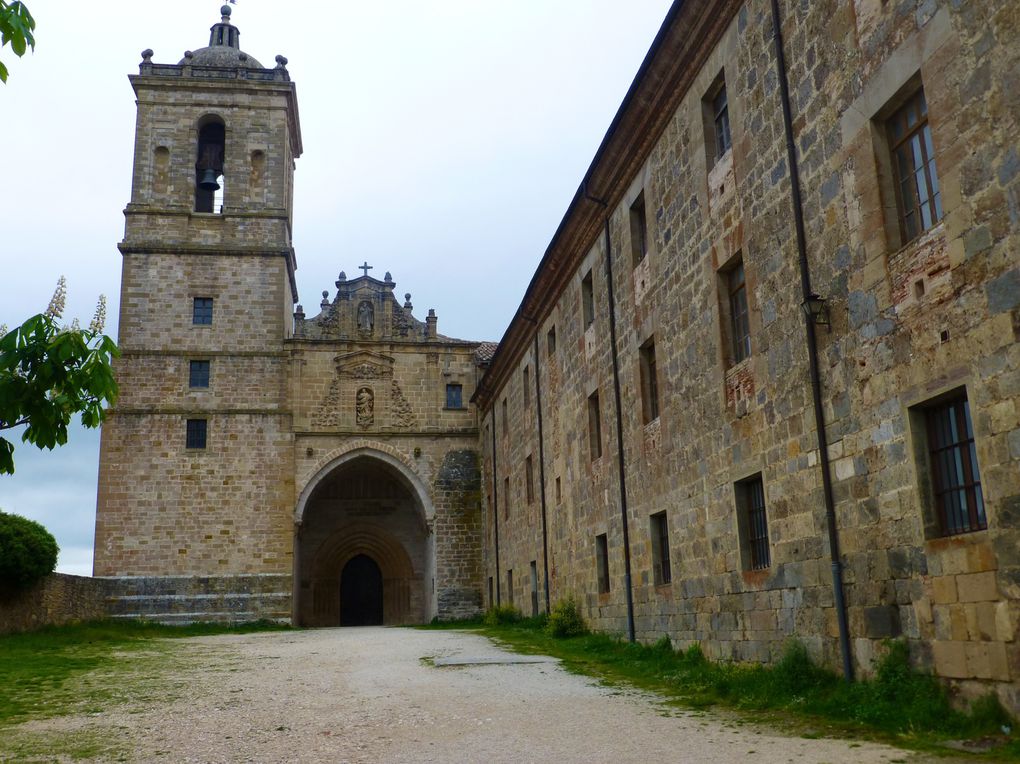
[(225, 13)]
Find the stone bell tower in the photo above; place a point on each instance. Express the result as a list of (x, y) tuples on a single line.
[(196, 468)]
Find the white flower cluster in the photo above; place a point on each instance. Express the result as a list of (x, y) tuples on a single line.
[(99, 319), (56, 306), (3, 330)]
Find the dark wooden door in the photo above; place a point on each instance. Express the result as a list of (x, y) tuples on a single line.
[(361, 593)]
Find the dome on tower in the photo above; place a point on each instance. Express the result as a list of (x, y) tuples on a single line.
[(224, 49)]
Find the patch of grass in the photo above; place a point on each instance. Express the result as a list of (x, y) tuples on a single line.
[(897, 704), (40, 671)]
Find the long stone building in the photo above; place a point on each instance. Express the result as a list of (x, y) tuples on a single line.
[(764, 384)]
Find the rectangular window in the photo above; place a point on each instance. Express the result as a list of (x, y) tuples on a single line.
[(602, 562), (752, 524), (198, 374), (721, 121), (660, 550), (551, 341), (649, 382), (492, 600), (454, 396), (638, 230), (918, 196), (526, 386), (663, 573), (506, 420), (956, 484), (587, 300), (196, 433), (594, 426), (559, 493), (510, 586), (534, 588), (529, 475), (506, 498), (739, 323), (201, 311)]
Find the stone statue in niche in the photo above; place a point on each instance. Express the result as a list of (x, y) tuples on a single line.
[(365, 407), (366, 317)]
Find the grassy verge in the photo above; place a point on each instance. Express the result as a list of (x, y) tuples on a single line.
[(47, 673), (897, 705)]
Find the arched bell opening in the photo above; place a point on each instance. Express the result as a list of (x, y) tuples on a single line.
[(209, 180), (360, 518)]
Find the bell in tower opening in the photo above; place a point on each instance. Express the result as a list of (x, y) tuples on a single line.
[(209, 168)]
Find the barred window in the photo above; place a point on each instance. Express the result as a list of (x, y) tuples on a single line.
[(956, 484), (918, 195), (594, 426), (752, 524), (196, 433), (587, 300)]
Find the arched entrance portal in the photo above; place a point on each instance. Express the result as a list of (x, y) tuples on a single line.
[(361, 593), (362, 548)]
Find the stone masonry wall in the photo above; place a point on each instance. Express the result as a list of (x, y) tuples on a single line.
[(893, 348), (55, 600)]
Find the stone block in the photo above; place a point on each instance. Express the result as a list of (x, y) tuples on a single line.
[(977, 587), (882, 622), (944, 589), (951, 659)]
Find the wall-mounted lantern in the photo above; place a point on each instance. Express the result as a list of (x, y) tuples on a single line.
[(817, 309)]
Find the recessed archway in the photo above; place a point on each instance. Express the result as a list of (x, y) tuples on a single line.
[(361, 509)]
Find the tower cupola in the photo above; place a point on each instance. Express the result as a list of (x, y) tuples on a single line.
[(224, 49)]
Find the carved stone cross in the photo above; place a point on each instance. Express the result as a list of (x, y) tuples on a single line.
[(366, 267)]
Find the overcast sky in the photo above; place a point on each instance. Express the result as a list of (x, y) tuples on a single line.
[(443, 141)]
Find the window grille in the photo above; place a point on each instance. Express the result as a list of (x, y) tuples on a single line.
[(956, 483), (739, 320), (757, 524), (660, 541), (602, 562), (721, 118)]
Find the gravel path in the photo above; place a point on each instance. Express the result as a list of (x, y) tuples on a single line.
[(378, 695)]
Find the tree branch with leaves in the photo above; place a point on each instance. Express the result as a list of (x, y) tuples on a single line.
[(49, 373), (16, 27)]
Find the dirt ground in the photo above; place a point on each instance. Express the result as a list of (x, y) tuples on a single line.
[(402, 695)]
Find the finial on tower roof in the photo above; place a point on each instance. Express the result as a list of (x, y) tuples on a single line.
[(225, 14)]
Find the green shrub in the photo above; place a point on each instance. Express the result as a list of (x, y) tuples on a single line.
[(566, 620), (501, 615), (27, 551)]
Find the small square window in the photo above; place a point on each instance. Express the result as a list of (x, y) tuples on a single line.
[(196, 433), (955, 488), (594, 426), (661, 569), (752, 524), (602, 562), (649, 382), (454, 396), (201, 312), (198, 374), (587, 300)]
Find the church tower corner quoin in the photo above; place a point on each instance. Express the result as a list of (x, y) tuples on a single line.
[(261, 463)]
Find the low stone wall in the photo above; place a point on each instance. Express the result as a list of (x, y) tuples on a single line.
[(57, 599)]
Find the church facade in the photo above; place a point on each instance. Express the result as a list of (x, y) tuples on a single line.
[(261, 462), (764, 384)]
